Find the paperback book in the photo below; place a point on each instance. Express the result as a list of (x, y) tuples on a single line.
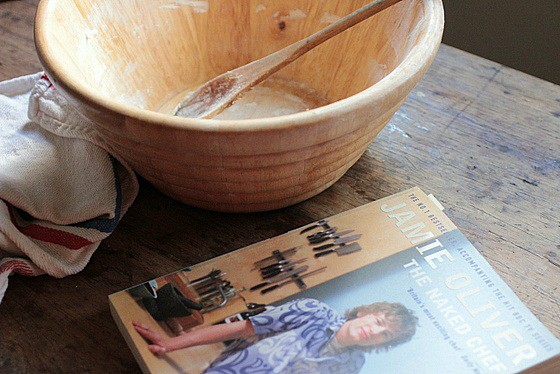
[(391, 286)]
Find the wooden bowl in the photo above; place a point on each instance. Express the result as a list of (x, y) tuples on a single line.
[(126, 64)]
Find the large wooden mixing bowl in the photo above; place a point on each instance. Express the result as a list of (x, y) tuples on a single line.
[(121, 62)]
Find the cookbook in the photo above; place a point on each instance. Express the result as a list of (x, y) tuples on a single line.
[(391, 286)]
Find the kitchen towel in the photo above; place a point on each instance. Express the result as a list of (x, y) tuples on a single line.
[(62, 190)]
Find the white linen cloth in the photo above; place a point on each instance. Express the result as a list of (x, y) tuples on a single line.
[(61, 191)]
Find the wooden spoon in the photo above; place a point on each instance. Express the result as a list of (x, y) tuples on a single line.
[(219, 93)]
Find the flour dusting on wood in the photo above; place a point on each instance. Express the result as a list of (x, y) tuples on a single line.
[(196, 6), (292, 14), (329, 18), (137, 99)]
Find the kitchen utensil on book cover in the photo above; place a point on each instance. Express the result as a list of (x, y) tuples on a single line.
[(339, 241), (272, 288), (280, 269), (320, 223), (280, 277), (319, 234), (342, 250), (218, 284), (215, 273), (255, 305), (274, 265), (219, 93), (279, 255), (330, 236)]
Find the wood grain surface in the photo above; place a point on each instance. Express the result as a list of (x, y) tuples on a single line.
[(480, 136)]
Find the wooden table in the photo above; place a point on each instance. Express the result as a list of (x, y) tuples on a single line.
[(485, 139)]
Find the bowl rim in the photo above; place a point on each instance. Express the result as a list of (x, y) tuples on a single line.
[(415, 61)]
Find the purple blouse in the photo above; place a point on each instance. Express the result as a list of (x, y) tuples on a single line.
[(291, 338)]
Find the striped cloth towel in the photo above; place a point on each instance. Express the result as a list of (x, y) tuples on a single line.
[(61, 191)]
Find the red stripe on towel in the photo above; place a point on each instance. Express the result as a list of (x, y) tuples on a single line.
[(44, 76), (46, 234), (18, 266)]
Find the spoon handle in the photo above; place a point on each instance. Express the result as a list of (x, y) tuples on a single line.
[(259, 70)]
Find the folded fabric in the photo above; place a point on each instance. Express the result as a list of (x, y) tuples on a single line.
[(61, 190)]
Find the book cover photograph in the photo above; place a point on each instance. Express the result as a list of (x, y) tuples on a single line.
[(391, 286)]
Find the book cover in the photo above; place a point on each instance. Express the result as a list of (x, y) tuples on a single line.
[(391, 286)]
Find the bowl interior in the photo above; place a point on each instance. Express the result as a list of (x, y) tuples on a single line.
[(148, 54)]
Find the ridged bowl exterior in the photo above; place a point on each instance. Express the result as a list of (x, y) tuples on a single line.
[(249, 165)]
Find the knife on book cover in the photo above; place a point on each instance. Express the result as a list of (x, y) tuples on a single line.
[(342, 250), (322, 233), (271, 288), (281, 268), (276, 264), (339, 241), (285, 253), (331, 236), (317, 224), (280, 277)]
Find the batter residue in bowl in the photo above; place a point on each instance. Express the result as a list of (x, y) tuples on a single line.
[(272, 98)]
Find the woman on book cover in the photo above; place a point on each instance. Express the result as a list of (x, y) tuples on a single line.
[(303, 335)]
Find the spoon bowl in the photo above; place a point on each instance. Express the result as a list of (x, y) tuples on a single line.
[(126, 65)]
